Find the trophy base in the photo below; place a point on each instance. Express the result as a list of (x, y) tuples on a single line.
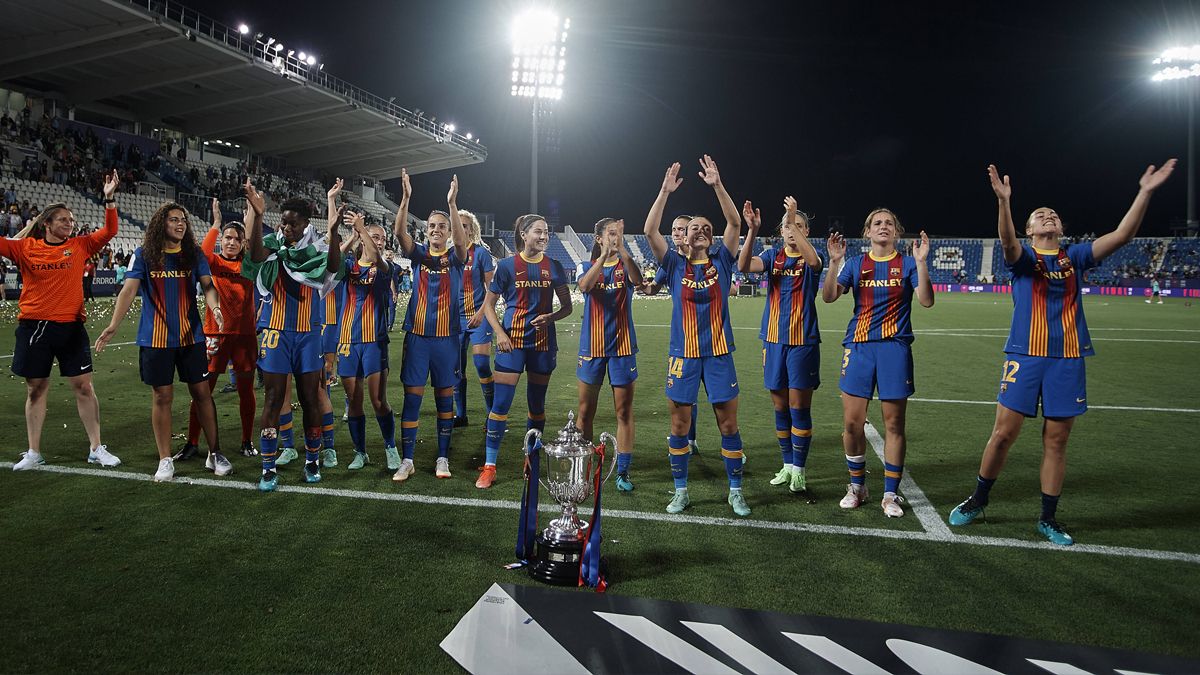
[(556, 564)]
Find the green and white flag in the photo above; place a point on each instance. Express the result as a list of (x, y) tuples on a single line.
[(305, 262)]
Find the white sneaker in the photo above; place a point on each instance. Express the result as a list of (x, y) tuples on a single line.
[(406, 469), (103, 457), (218, 464), (29, 460), (166, 470), (892, 505), (443, 467), (855, 496)]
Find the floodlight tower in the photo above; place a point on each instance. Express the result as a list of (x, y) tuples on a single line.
[(539, 63), (1183, 63)]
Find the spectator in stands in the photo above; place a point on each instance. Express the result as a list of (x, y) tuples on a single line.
[(15, 220), (10, 196), (3, 281), (89, 274)]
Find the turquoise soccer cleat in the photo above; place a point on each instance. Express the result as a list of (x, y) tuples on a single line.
[(966, 512), (1051, 530), (268, 481)]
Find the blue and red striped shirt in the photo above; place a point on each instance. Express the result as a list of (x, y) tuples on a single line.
[(527, 286), (169, 316), (435, 308), (608, 314), (1048, 302), (366, 292), (883, 290), (789, 317), (700, 303)]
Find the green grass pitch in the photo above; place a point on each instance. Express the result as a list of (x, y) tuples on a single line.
[(130, 575)]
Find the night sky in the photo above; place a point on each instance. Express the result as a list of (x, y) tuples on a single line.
[(847, 105)]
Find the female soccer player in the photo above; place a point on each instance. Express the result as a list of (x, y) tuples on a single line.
[(432, 324), (791, 338), (1043, 358), (50, 319), (165, 271), (477, 332), (701, 346), (607, 340), (878, 346), (525, 341), (236, 343), (294, 269)]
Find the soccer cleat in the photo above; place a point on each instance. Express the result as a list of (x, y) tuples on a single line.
[(799, 483), (393, 458), (329, 458), (248, 449), (679, 502), (359, 461), (694, 447), (892, 505), (345, 417), (1051, 530), (29, 460), (286, 456), (487, 476), (406, 469), (268, 481), (966, 512), (460, 422), (738, 502), (855, 496), (218, 464), (103, 457), (188, 451), (166, 470), (443, 467), (784, 475), (312, 472), (623, 483), (229, 388), (744, 457)]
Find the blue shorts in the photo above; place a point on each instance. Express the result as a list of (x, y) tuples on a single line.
[(622, 370), (791, 366), (480, 335), (329, 338), (684, 376), (886, 366), (288, 352), (1060, 384), (361, 359), (528, 359), (430, 358)]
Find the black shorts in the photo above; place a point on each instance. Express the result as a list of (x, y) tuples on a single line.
[(158, 365), (39, 343)]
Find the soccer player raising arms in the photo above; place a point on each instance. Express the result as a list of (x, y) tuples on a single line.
[(432, 324), (165, 270), (607, 342), (50, 319), (1043, 358), (477, 332), (701, 346), (525, 341), (791, 339), (293, 269), (877, 352)]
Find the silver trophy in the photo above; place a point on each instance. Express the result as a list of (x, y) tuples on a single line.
[(568, 471)]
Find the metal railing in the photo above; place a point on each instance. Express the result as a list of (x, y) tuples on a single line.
[(196, 25)]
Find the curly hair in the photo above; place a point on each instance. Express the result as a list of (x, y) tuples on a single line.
[(156, 239)]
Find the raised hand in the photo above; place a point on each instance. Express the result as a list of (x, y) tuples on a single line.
[(405, 185), (254, 198), (216, 212), (1150, 180), (354, 221), (837, 248), (920, 247), (752, 216), (709, 173), (452, 195), (1002, 188), (336, 189), (671, 181), (341, 216), (790, 208), (111, 181)]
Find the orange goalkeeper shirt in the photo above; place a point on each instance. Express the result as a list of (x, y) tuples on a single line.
[(52, 274), (236, 292)]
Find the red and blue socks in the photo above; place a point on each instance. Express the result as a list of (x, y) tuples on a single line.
[(857, 464), (731, 450), (497, 423), (891, 477), (677, 447), (409, 416), (783, 425), (286, 439), (801, 435)]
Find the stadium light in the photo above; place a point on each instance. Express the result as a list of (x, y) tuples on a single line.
[(469, 136), (278, 47), (450, 127), (312, 60), (539, 52), (243, 29), (303, 57), (1183, 64)]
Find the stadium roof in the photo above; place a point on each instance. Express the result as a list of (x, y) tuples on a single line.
[(160, 63)]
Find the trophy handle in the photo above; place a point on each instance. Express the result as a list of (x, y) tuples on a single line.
[(531, 439), (612, 443)]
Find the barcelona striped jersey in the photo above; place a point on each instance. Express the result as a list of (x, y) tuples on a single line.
[(608, 314), (883, 290), (527, 286), (333, 303), (292, 306), (789, 317), (479, 262), (366, 292), (435, 307), (1047, 302), (700, 303), (169, 315)]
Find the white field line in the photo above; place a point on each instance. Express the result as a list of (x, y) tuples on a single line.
[(1115, 551), (111, 344), (921, 508), (1090, 407)]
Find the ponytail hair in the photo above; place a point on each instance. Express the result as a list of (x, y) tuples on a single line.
[(601, 225)]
